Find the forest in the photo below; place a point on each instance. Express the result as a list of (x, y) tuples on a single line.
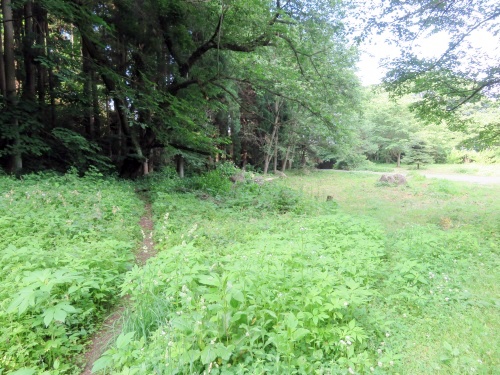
[(146, 222), (127, 86)]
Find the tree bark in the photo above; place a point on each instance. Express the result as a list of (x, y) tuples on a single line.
[(285, 160), (3, 88), (88, 112), (29, 87), (180, 165), (275, 164), (273, 140), (42, 79), (11, 99)]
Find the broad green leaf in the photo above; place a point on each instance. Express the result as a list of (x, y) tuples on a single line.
[(237, 295), (299, 333), (181, 324), (208, 354), (24, 371), (209, 280), (291, 321), (124, 339), (102, 363), (48, 316), (223, 351), (60, 315)]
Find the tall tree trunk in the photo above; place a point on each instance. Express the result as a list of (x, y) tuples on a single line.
[(133, 165), (3, 88), (267, 160), (42, 79), (276, 152), (11, 99), (244, 158), (180, 165), (268, 148), (303, 160), (285, 160), (399, 159), (29, 87), (95, 107), (52, 85), (88, 111)]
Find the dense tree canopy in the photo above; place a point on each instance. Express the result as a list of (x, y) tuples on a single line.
[(112, 82)]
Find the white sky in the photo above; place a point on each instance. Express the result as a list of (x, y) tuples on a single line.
[(371, 70)]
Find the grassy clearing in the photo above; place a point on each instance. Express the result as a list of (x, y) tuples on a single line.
[(446, 230), (65, 245), (264, 280)]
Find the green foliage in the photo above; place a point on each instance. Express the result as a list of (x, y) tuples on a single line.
[(287, 294), (440, 278), (351, 161), (419, 153), (213, 182), (227, 169), (105, 85), (386, 128), (80, 152), (374, 167), (65, 245), (462, 75), (488, 156)]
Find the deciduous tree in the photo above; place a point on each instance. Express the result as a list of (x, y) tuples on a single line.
[(467, 71)]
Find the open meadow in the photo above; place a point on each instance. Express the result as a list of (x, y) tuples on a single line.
[(446, 234), (256, 279)]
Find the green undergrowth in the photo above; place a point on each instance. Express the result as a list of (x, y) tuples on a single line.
[(442, 286), (263, 280), (66, 243), (268, 279), (446, 296)]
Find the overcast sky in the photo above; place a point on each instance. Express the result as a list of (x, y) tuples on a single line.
[(371, 70)]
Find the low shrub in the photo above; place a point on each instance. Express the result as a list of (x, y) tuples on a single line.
[(66, 243)]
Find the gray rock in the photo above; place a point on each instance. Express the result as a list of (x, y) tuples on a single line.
[(238, 177), (394, 179)]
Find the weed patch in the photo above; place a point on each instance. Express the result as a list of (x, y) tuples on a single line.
[(66, 242), (253, 283), (266, 279)]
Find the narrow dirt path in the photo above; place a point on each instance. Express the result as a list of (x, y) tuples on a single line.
[(112, 325), (482, 180)]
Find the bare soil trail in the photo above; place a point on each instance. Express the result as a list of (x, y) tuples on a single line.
[(112, 325), (482, 180)]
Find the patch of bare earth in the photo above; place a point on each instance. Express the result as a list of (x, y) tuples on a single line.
[(111, 327), (482, 180)]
